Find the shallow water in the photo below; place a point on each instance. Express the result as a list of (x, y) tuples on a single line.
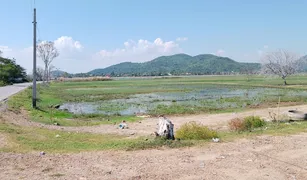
[(209, 97)]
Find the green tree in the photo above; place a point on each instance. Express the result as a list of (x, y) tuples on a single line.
[(10, 72)]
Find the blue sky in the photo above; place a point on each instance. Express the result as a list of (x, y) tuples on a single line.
[(91, 34)]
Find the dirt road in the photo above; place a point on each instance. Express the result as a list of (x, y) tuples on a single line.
[(149, 125)]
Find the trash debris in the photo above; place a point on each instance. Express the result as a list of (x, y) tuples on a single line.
[(296, 115), (123, 125), (202, 165), (165, 128), (216, 139), (42, 153), (57, 136), (57, 124)]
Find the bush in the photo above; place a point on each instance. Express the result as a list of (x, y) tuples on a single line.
[(195, 131), (236, 124), (247, 124), (252, 122)]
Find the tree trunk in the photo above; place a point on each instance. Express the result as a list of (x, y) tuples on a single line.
[(165, 128), (285, 82), (46, 73)]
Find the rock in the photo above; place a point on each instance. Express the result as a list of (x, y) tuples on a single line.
[(42, 153)]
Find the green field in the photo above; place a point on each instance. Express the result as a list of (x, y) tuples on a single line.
[(98, 102), (185, 95)]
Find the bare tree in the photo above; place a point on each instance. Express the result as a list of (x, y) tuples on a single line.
[(47, 52), (39, 74), (281, 63)]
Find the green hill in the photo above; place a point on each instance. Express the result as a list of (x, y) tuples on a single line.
[(179, 64)]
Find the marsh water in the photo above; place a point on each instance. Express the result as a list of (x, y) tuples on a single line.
[(218, 98)]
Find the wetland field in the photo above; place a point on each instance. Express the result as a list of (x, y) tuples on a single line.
[(107, 102)]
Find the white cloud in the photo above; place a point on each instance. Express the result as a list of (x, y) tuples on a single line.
[(137, 51), (5, 49), (66, 43), (220, 52), (74, 57), (265, 47), (181, 39)]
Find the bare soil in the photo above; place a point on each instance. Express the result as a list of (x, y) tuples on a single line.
[(263, 157)]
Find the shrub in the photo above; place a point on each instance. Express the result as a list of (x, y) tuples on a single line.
[(236, 124), (195, 131), (247, 124), (2, 83), (252, 122)]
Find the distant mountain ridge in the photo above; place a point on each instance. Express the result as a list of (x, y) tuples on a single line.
[(179, 64)]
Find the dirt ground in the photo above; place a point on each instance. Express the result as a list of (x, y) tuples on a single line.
[(263, 157)]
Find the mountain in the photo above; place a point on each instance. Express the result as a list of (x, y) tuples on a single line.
[(179, 64), (59, 73)]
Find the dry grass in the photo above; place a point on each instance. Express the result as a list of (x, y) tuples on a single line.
[(81, 79)]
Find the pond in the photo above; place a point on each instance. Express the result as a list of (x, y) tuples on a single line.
[(210, 97)]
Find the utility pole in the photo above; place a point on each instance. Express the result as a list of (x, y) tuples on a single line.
[(34, 62)]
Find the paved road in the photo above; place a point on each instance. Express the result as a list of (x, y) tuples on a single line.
[(7, 91)]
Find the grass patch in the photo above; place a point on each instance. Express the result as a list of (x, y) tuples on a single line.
[(25, 139), (195, 131)]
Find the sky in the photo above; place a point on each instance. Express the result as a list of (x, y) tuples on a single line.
[(98, 33)]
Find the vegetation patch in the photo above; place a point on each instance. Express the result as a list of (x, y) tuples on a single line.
[(195, 131), (248, 123), (25, 139)]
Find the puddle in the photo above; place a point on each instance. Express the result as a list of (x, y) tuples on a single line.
[(210, 97)]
